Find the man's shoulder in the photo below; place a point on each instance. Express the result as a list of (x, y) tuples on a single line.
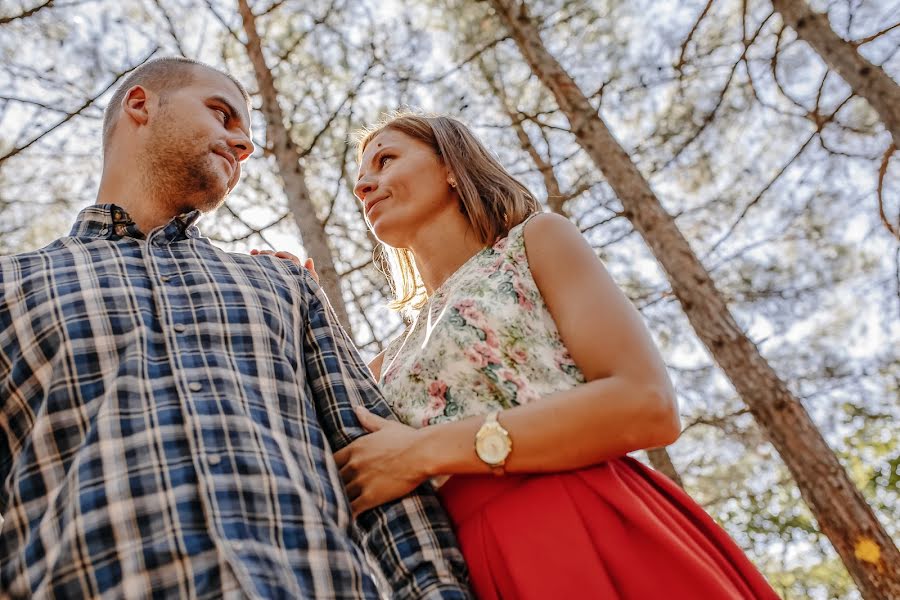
[(277, 268), (57, 245)]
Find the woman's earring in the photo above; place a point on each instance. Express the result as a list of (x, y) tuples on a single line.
[(452, 182)]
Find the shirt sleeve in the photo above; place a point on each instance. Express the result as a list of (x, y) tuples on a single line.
[(411, 538)]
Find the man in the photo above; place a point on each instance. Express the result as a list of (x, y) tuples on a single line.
[(168, 411)]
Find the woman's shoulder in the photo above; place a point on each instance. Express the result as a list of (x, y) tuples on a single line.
[(548, 238), (541, 224), (546, 224), (536, 236)]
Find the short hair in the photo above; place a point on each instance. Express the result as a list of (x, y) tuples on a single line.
[(161, 75), (492, 200)]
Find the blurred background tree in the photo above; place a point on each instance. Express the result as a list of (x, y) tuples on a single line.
[(776, 169)]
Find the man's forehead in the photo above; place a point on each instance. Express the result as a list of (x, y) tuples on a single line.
[(215, 83)]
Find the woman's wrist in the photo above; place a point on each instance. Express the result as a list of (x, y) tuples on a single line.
[(426, 453), (449, 448)]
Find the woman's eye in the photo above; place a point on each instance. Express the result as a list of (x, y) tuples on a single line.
[(383, 160)]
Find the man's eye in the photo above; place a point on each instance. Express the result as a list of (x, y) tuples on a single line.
[(223, 113)]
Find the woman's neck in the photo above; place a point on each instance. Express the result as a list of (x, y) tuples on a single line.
[(439, 253)]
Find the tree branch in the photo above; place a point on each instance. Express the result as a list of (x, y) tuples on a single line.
[(27, 13), (87, 103), (882, 171)]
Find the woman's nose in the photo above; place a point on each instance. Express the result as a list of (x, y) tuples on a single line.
[(363, 187)]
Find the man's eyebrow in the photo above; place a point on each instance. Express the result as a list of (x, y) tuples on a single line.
[(232, 111)]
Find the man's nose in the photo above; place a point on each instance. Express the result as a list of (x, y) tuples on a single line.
[(241, 145)]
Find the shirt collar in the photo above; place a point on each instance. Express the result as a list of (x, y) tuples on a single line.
[(109, 221)]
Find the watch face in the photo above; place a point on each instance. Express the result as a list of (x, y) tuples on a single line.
[(493, 448)]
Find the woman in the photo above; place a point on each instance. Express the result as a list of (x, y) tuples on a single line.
[(526, 377)]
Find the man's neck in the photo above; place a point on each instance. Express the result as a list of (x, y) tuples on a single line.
[(146, 211)]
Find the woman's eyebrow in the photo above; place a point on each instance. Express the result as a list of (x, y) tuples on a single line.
[(375, 156)]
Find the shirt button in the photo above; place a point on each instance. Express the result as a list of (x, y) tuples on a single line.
[(213, 459), (195, 386), (179, 328), (164, 278)]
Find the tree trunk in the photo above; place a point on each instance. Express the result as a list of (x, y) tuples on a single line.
[(662, 462), (867, 80), (840, 509), (287, 155)]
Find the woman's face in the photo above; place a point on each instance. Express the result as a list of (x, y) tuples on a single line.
[(404, 187)]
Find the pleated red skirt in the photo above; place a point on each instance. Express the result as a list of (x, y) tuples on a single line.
[(619, 530)]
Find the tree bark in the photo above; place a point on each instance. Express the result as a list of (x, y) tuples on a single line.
[(662, 462), (287, 155), (865, 79), (840, 509)]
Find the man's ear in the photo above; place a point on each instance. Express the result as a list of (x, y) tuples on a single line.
[(136, 104)]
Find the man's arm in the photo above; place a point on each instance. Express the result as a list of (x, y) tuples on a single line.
[(411, 537)]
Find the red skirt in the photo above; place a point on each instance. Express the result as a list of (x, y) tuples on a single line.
[(617, 530)]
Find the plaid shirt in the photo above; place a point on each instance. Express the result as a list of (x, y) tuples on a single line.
[(168, 413)]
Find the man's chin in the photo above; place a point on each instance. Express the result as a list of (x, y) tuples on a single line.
[(205, 203)]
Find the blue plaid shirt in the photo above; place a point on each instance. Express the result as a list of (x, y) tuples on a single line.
[(168, 413)]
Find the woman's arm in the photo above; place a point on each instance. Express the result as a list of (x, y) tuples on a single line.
[(627, 403)]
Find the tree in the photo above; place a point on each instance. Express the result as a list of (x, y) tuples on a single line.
[(840, 509), (765, 157), (866, 79), (288, 157)]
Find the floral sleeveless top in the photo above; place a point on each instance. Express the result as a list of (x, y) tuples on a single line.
[(484, 341)]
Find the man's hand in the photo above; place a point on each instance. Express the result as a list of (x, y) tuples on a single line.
[(308, 264)]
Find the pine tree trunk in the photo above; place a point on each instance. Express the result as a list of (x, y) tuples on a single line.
[(287, 155), (867, 80), (840, 509), (662, 462)]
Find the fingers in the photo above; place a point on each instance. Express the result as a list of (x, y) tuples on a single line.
[(355, 490), (342, 456), (311, 267), (279, 254), (360, 505), (369, 420), (348, 473), (289, 256)]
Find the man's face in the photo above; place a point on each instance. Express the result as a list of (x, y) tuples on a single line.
[(197, 142)]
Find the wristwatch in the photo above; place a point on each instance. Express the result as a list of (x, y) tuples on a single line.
[(493, 444)]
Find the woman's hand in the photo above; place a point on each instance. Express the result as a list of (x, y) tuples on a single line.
[(381, 466), (308, 264)]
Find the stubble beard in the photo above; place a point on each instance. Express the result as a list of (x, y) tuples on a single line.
[(181, 175)]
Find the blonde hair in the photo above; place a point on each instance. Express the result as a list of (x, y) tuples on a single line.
[(492, 200)]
